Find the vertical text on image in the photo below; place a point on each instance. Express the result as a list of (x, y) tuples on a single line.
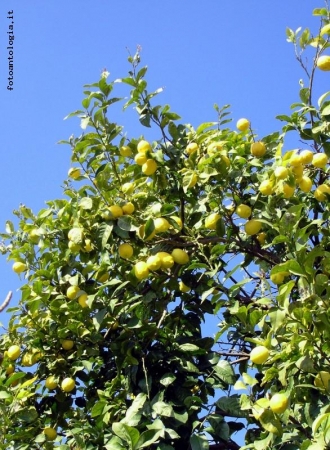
[(10, 48)]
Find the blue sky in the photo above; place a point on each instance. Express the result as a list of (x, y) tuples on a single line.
[(219, 51)]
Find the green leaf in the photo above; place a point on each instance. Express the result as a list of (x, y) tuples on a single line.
[(128, 434), (86, 203), (189, 348), (225, 372), (132, 416), (167, 379), (230, 406), (9, 227), (163, 409), (147, 438), (271, 423), (199, 442), (28, 415), (98, 408)]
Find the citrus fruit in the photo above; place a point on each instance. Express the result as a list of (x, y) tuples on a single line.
[(140, 158), (305, 184), (242, 124), (287, 190), (281, 173), (143, 146), (67, 344), (323, 62), (72, 292), (141, 270), (252, 227), (183, 287), (68, 384), (191, 148), (243, 211), (149, 167), (161, 224), (296, 160), (180, 256), (125, 251), (19, 267), (321, 192), (258, 149), (266, 187), (320, 160), (211, 221), (50, 433), (259, 354), (322, 380), (13, 352), (128, 208), (115, 211), (279, 403), (125, 151), (51, 383), (261, 237), (74, 173), (306, 156), (154, 262), (82, 300), (167, 260)]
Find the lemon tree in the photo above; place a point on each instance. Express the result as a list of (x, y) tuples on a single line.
[(110, 346)]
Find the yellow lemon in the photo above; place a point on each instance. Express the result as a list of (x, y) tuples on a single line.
[(296, 160), (287, 190), (211, 221), (82, 300), (252, 227), (140, 158), (74, 173), (178, 221), (298, 171), (154, 262), (141, 270), (306, 156), (72, 292), (180, 256), (125, 151), (167, 260), (321, 192), (258, 149), (143, 146), (281, 173), (243, 124), (277, 278), (13, 352), (161, 224), (323, 62), (279, 403), (125, 251), (149, 167), (128, 208), (115, 211), (305, 184), (19, 267), (266, 187), (261, 237), (259, 354), (243, 211), (320, 160), (68, 384), (51, 383), (193, 180), (183, 287)]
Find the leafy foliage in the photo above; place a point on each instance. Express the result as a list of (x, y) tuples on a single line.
[(123, 324)]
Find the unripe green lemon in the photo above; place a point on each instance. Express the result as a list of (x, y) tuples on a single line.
[(258, 149), (279, 403), (141, 270), (259, 354), (180, 256), (243, 124), (125, 251), (211, 221), (50, 433), (125, 151), (277, 278), (252, 227), (243, 211), (149, 167), (67, 344), (68, 384), (19, 267)]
